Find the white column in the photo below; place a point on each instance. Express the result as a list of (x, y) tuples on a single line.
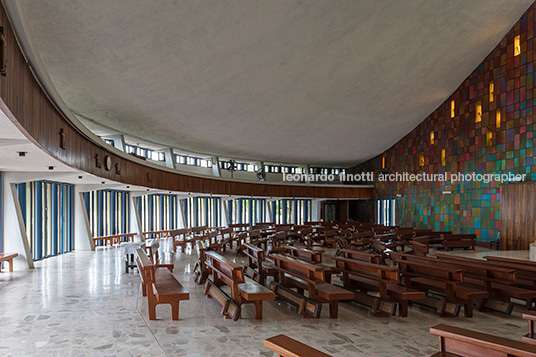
[(119, 141), (224, 212), (315, 210), (216, 166), (135, 221), (180, 213), (82, 228), (14, 233), (170, 158), (269, 210)]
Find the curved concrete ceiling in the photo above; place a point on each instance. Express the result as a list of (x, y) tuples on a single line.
[(319, 82)]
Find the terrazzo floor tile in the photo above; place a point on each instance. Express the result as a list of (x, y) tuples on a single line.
[(84, 304)]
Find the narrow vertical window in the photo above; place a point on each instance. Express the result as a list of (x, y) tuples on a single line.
[(383, 162), (491, 91), (498, 118), (478, 112), (452, 108), (443, 158), (421, 159), (517, 46), (432, 138), (489, 137)]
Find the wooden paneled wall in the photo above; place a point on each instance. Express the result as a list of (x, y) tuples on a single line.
[(29, 108), (518, 215)]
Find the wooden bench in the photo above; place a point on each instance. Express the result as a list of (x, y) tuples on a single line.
[(225, 272), (424, 274), (313, 256), (160, 286), (114, 238), (180, 239), (456, 341), (458, 241), (500, 282), (7, 257), (421, 245), (157, 234), (285, 346), (294, 273), (309, 255), (405, 233), (366, 276), (166, 260), (530, 337), (257, 261)]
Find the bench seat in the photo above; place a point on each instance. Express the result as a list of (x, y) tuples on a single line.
[(8, 257), (166, 286), (460, 291), (166, 260), (285, 346)]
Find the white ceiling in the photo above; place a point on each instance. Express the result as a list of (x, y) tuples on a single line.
[(319, 82)]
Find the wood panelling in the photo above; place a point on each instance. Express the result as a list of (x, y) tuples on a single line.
[(518, 215), (29, 108)]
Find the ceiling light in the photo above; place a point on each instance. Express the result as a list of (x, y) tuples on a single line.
[(51, 167), (103, 182), (21, 153), (80, 177)]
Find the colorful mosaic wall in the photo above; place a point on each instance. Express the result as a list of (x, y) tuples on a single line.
[(490, 130)]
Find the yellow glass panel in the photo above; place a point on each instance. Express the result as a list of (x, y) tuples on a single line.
[(517, 46)]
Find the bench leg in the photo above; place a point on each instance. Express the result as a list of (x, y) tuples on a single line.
[(334, 309), (175, 310), (151, 303), (258, 309), (468, 309), (403, 308)]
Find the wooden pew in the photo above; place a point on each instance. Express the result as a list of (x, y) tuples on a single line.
[(459, 241), (114, 238), (157, 234), (294, 273), (231, 274), (180, 239), (500, 282), (365, 276), (405, 233), (7, 257), (310, 256), (530, 337), (525, 272), (425, 274), (160, 286), (356, 255), (166, 260), (421, 245), (360, 240), (225, 237), (257, 261), (456, 341), (284, 346)]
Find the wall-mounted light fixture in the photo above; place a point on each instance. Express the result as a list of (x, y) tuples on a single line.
[(517, 45)]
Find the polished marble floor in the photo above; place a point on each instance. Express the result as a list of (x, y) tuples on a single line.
[(83, 304)]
